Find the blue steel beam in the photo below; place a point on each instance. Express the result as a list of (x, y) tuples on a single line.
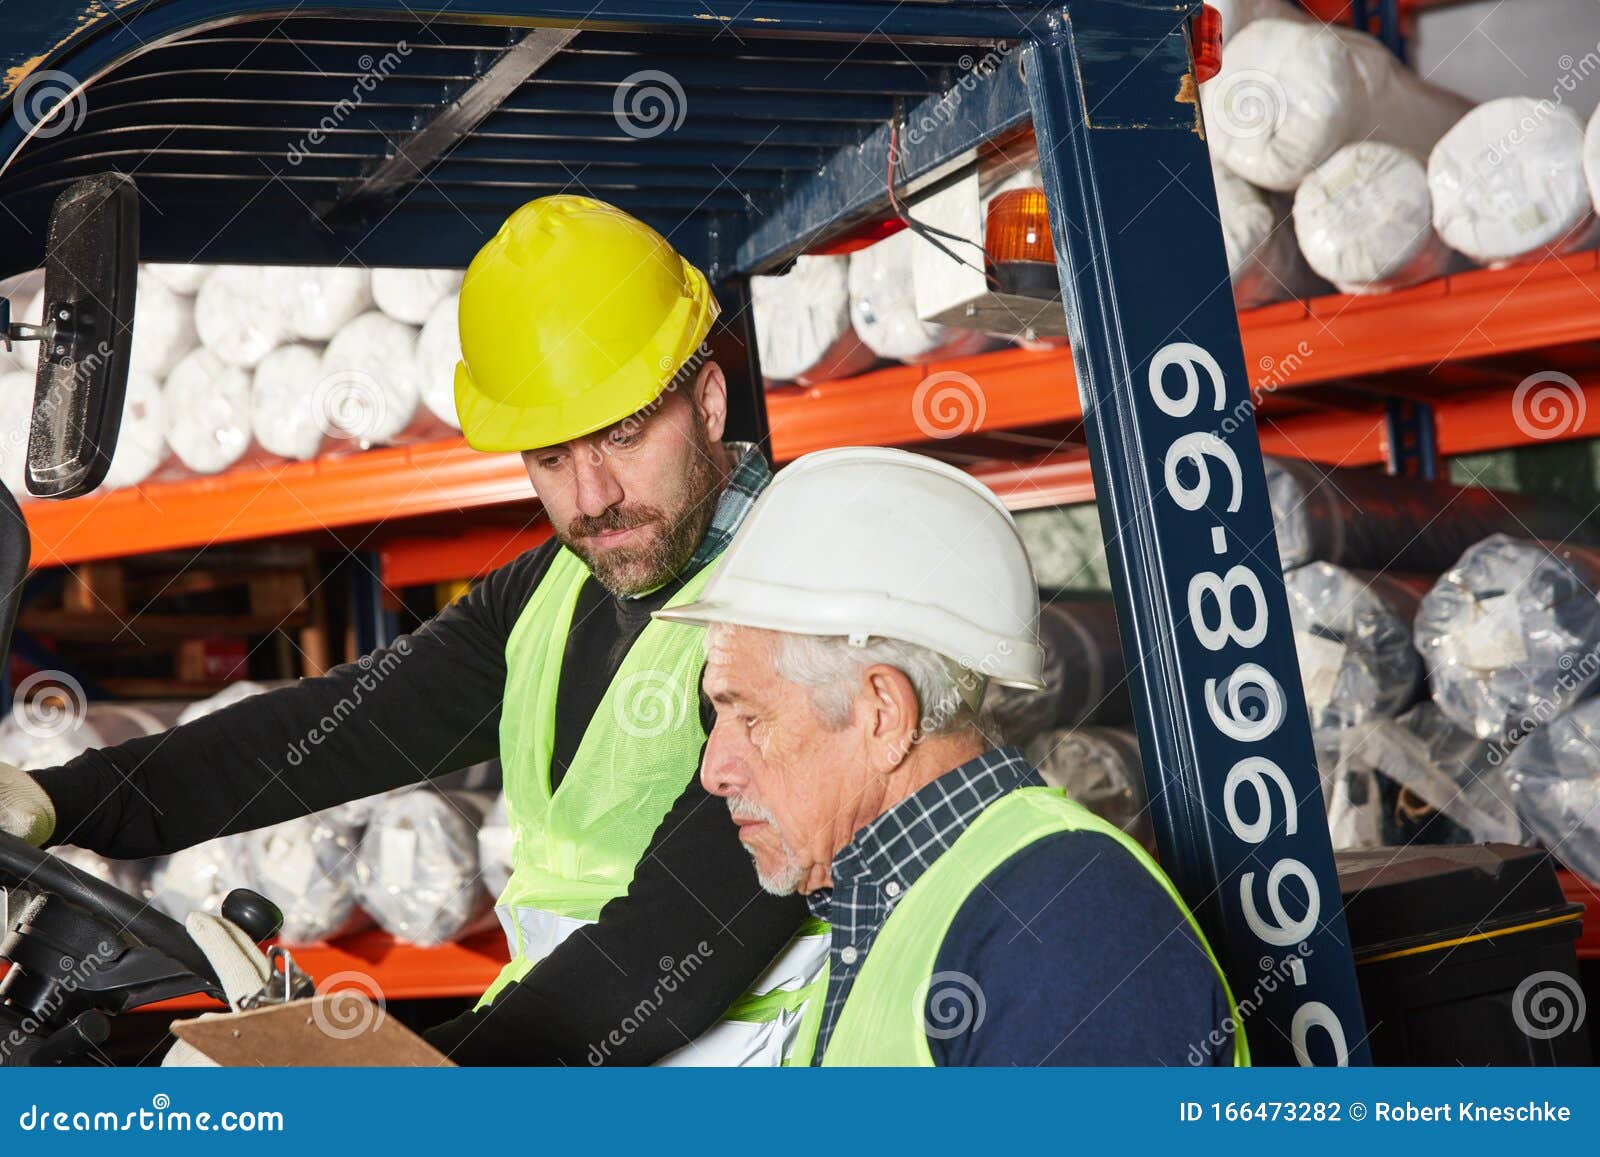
[(1223, 730)]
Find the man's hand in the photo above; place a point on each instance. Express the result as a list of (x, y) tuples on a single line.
[(25, 809)]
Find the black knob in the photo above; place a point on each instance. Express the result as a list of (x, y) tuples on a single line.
[(260, 918)]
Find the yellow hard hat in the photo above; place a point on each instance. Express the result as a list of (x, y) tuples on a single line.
[(574, 316)]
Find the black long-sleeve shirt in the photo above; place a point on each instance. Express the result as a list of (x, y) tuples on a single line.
[(427, 705)]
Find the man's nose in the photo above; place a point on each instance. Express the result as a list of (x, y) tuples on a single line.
[(722, 770), (597, 489)]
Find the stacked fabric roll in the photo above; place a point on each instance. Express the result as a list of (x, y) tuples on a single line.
[(1364, 220), (1591, 157), (163, 327), (495, 845), (239, 314), (16, 409), (370, 391), (1085, 680), (1352, 632), (1508, 182), (803, 329), (283, 391), (411, 295), (417, 865), (307, 867), (1099, 767), (1374, 521), (142, 445), (1554, 780), (208, 411), (1291, 94), (438, 352), (883, 307), (1262, 263), (1511, 634)]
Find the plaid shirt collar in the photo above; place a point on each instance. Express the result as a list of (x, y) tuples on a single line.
[(902, 843), (747, 479)]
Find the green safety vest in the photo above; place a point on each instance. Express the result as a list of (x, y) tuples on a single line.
[(883, 1021), (575, 848)]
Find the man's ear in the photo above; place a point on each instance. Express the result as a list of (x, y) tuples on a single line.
[(710, 398), (892, 715)]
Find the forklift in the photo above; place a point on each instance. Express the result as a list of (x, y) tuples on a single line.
[(400, 134)]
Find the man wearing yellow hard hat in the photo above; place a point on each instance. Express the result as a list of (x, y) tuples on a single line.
[(638, 929)]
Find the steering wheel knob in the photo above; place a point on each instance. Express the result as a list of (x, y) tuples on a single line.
[(258, 917)]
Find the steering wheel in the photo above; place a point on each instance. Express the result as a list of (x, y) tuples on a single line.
[(80, 950)]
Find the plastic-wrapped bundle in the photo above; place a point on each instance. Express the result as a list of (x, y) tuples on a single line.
[(1352, 631), (198, 879), (438, 352), (239, 314), (1237, 14), (410, 295), (1373, 521), (1350, 792), (318, 302), (1261, 259), (495, 844), (307, 866), (283, 415), (1591, 157), (163, 328), (883, 307), (1099, 767), (803, 328), (1364, 220), (1554, 777), (142, 441), (1457, 773), (51, 730), (227, 697), (16, 408), (184, 279), (1507, 182), (1085, 681), (208, 412), (1511, 634), (370, 388), (1291, 94), (417, 866), (130, 876)]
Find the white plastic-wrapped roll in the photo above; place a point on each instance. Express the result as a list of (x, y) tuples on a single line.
[(240, 315), (370, 388), (1507, 182), (417, 866), (208, 412), (24, 294), (1591, 157), (410, 295), (185, 279), (229, 695), (1554, 777), (495, 843), (1291, 94), (1364, 220), (438, 352), (163, 328), (1237, 14), (319, 301), (307, 867), (883, 307), (1260, 248), (16, 409), (283, 390), (1510, 633), (198, 879), (51, 729), (803, 330), (142, 440)]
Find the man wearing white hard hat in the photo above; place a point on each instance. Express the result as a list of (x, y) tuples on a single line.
[(978, 917)]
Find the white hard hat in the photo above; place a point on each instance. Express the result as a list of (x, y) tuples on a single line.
[(866, 542)]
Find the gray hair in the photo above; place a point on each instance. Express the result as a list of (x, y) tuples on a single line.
[(830, 667)]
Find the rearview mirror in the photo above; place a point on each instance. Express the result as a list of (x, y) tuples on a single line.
[(91, 269)]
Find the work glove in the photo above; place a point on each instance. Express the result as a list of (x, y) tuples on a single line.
[(25, 809)]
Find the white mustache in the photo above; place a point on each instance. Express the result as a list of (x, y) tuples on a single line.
[(742, 809)]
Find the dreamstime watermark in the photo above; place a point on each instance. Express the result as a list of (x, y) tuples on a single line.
[(160, 1117), (1248, 103), (1274, 973), (1576, 673), (648, 704), (1548, 1004), (373, 73), (951, 1003), (1548, 405), (373, 672), (1573, 72), (49, 103), (350, 404), (674, 973), (948, 404), (49, 704), (74, 974), (348, 1005), (943, 113), (648, 103)]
